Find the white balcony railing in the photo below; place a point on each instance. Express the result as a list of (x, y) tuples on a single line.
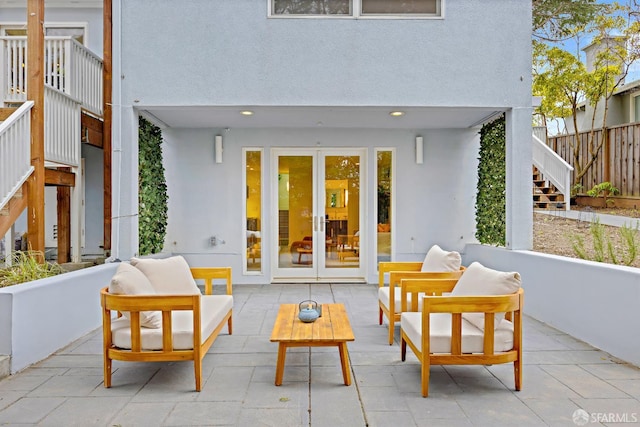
[(61, 128), (15, 153), (69, 67), (553, 168)]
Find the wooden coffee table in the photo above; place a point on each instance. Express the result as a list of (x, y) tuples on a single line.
[(332, 329)]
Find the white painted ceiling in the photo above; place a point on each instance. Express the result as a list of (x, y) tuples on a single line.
[(309, 117)]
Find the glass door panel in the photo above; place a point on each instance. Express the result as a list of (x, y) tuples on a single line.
[(342, 211), (295, 211), (319, 214)]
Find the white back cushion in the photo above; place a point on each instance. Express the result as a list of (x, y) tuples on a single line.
[(128, 280), (480, 280), (441, 260), (168, 276)]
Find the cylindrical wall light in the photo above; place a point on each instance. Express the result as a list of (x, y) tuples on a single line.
[(419, 150), (218, 148)]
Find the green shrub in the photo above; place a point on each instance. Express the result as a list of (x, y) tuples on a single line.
[(606, 189), (490, 198), (27, 266), (603, 248), (152, 190)]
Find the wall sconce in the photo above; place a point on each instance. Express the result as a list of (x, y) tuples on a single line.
[(218, 140), (419, 150)]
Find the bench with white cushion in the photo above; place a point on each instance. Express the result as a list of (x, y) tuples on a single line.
[(444, 267), (165, 317), (478, 323)]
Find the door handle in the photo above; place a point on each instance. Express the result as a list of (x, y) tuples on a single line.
[(322, 223)]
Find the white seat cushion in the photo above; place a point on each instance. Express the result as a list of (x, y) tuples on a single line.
[(441, 260), (383, 296), (440, 333), (213, 308), (168, 276), (128, 280), (480, 280)]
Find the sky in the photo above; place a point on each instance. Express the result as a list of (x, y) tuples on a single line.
[(573, 47)]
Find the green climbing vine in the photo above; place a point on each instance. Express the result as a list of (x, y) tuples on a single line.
[(490, 199), (152, 189)]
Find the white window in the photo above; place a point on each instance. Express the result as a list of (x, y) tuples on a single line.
[(636, 105), (356, 8)]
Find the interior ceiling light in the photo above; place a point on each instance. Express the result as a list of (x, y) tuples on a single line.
[(246, 112), (396, 113)]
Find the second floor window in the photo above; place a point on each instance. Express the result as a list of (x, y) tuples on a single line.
[(357, 8)]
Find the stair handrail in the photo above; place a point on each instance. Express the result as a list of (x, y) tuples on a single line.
[(553, 167), (15, 152)]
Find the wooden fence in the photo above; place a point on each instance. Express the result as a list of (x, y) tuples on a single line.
[(617, 163)]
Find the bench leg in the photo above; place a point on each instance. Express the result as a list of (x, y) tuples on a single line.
[(392, 326), (282, 354), (197, 367), (344, 361), (107, 371), (426, 365)]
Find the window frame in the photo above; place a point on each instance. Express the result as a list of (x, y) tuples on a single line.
[(356, 13)]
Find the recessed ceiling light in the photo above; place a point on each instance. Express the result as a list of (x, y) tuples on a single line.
[(246, 112), (396, 113)]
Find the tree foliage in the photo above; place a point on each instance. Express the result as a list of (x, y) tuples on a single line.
[(490, 199), (555, 20), (152, 189), (564, 83)]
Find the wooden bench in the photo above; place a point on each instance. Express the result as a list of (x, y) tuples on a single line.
[(389, 296), (190, 324), (440, 334)]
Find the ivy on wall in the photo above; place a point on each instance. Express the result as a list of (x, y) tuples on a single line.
[(152, 189), (490, 199)]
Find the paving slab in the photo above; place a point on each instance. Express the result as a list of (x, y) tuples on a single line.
[(562, 375)]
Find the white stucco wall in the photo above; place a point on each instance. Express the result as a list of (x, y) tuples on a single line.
[(202, 53), (593, 302), (229, 53), (40, 317), (435, 200)]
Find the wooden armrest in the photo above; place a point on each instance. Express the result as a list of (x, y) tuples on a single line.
[(137, 303), (428, 286), (396, 276), (389, 266), (473, 303), (210, 273)]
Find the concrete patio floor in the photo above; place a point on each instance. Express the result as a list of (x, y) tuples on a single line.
[(561, 376)]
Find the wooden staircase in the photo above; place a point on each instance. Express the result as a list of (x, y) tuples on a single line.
[(12, 210), (545, 194)]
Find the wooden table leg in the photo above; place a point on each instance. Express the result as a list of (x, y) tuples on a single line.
[(344, 361), (282, 354)]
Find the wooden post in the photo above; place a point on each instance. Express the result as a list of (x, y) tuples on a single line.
[(64, 224), (606, 151), (35, 92), (107, 114)]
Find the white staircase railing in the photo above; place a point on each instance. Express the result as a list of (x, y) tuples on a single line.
[(15, 152), (61, 128), (553, 168), (69, 67)]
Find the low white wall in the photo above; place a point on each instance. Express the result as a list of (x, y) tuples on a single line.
[(40, 317), (595, 302)]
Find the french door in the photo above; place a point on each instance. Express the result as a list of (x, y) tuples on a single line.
[(318, 214)]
